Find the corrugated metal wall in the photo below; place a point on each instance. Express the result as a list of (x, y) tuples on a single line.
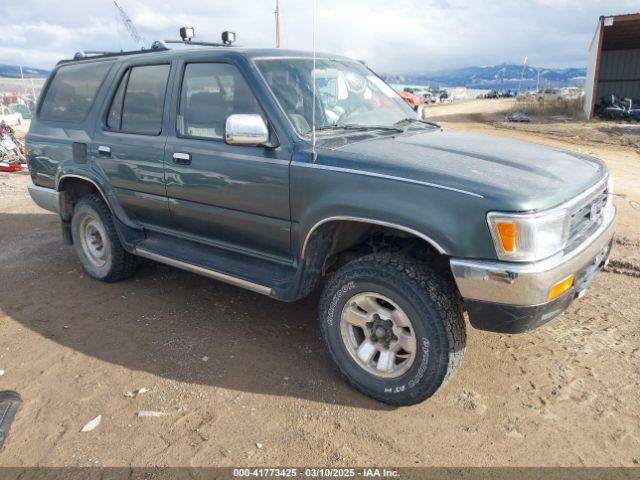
[(619, 74)]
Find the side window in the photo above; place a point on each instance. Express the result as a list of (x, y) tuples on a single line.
[(138, 103), (72, 91), (210, 93), (114, 120)]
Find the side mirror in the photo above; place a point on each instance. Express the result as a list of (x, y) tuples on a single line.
[(247, 130)]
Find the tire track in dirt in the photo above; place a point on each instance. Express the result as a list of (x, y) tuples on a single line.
[(626, 257)]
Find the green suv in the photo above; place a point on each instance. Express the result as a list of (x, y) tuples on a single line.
[(283, 174)]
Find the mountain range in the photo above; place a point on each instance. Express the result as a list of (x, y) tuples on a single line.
[(14, 71), (504, 76)]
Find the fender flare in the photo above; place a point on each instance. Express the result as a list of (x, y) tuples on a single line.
[(115, 211), (371, 221)]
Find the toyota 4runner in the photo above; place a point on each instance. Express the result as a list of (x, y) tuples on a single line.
[(280, 173)]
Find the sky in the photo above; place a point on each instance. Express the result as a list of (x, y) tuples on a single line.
[(392, 36)]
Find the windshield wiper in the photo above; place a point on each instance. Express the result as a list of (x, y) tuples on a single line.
[(354, 126), (406, 121)]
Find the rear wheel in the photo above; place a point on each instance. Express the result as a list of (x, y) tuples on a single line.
[(393, 328), (96, 241)]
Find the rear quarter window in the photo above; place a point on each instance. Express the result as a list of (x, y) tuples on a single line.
[(138, 103), (72, 91)]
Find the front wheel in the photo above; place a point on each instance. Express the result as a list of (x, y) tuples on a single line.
[(393, 328)]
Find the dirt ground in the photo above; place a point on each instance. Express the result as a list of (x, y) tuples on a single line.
[(243, 380)]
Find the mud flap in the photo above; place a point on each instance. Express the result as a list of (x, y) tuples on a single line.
[(9, 402)]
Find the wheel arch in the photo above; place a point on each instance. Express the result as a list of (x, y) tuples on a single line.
[(72, 187), (75, 179), (337, 239), (371, 222)]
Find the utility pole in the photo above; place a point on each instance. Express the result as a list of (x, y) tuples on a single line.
[(524, 65), (22, 82), (277, 14), (33, 93)]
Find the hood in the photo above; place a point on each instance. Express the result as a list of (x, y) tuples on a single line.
[(518, 175)]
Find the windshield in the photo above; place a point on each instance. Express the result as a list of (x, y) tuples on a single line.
[(347, 94)]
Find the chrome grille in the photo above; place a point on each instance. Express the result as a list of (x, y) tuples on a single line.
[(587, 217)]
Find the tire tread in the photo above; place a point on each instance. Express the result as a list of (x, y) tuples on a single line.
[(417, 276), (124, 264)]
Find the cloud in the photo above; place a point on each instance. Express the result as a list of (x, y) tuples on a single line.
[(392, 36)]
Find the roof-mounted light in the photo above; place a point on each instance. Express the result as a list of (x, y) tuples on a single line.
[(187, 33), (228, 37)]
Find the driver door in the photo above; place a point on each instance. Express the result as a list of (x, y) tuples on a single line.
[(229, 195)]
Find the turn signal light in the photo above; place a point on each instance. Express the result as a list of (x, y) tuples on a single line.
[(561, 287), (507, 233)]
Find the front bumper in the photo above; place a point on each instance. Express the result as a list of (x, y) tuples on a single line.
[(513, 298)]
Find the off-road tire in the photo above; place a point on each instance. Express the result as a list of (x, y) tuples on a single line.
[(119, 264), (433, 307)]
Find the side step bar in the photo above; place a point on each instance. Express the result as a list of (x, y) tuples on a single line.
[(238, 282)]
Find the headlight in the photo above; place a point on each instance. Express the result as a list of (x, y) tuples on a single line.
[(528, 237)]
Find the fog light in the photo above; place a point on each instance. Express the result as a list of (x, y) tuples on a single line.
[(561, 287)]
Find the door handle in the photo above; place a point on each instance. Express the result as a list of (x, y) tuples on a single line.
[(106, 151), (182, 158)]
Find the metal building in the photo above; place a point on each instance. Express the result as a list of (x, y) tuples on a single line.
[(614, 61)]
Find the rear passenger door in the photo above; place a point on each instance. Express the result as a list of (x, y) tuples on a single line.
[(129, 145), (229, 195)]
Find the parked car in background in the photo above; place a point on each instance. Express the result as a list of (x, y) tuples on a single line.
[(443, 96), (422, 92), (22, 109), (413, 100), (520, 115), (549, 95), (428, 97), (9, 116)]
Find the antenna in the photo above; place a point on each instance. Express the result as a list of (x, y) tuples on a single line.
[(277, 13), (314, 153)]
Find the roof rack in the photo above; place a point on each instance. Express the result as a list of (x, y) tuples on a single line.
[(201, 44), (186, 33), (157, 46)]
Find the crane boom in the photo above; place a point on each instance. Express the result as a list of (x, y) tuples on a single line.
[(130, 26)]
